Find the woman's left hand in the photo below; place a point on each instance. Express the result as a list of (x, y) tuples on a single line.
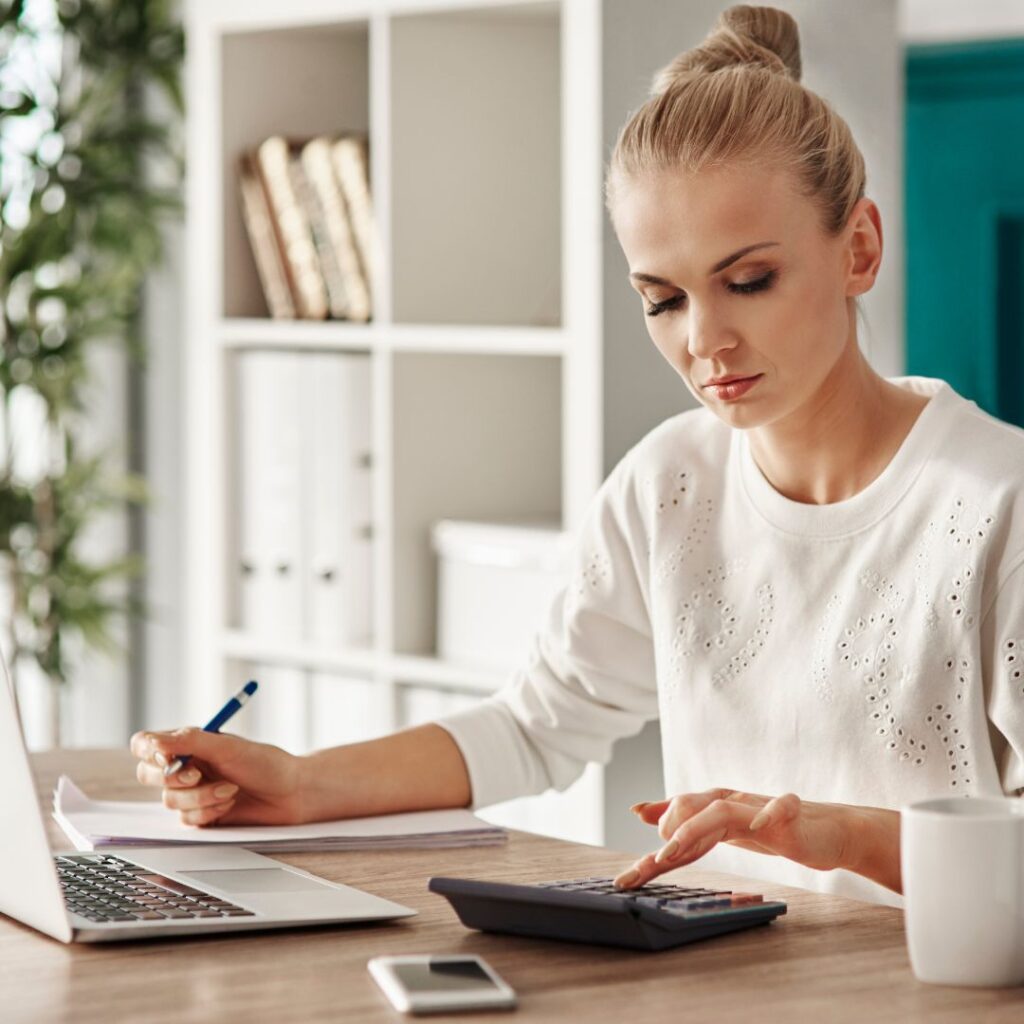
[(817, 835)]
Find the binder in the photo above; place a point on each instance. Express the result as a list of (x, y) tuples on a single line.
[(251, 436), (267, 508), (337, 498)]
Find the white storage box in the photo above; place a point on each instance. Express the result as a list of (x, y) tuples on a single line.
[(496, 582)]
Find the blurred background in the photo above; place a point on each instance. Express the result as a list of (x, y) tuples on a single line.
[(317, 341)]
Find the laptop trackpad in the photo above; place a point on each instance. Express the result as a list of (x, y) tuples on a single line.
[(254, 880)]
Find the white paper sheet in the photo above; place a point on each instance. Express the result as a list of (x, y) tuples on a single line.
[(92, 824)]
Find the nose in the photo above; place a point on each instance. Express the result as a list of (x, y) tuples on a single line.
[(707, 333)]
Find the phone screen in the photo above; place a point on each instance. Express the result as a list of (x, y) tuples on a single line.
[(444, 976)]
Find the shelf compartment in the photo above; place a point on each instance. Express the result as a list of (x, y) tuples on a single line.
[(476, 166), (474, 437), (300, 518), (296, 82)]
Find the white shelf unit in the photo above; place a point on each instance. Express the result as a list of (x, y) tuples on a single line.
[(488, 343)]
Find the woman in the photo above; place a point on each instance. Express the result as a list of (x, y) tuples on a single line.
[(816, 579)]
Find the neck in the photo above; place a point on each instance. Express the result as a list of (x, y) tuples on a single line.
[(841, 439)]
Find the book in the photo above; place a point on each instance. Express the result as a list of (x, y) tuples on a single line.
[(351, 158), (295, 235), (95, 824), (347, 285), (267, 255)]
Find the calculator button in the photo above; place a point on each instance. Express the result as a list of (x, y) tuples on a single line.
[(703, 903), (744, 899), (649, 901)]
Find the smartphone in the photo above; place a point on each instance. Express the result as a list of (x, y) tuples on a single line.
[(440, 984)]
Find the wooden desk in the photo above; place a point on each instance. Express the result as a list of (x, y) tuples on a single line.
[(827, 960)]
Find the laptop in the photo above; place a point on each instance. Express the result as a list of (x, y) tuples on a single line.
[(124, 893)]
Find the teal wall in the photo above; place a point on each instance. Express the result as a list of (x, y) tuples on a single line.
[(964, 204)]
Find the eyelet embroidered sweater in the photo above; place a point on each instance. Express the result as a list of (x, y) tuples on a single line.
[(869, 651)]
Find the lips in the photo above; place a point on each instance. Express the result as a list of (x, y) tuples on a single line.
[(730, 389), (730, 379)]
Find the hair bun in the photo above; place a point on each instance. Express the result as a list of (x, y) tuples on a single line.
[(762, 37)]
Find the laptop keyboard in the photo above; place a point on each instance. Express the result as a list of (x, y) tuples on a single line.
[(101, 887)]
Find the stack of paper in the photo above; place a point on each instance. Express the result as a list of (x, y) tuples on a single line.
[(93, 824)]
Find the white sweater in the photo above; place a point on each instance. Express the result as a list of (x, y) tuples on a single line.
[(868, 651)]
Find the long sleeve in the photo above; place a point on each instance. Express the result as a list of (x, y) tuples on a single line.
[(589, 678), (1002, 637)]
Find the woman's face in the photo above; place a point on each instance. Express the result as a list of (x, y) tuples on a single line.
[(738, 280)]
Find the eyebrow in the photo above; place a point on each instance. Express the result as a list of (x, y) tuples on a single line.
[(720, 265)]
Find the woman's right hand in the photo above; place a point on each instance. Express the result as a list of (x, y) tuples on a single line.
[(227, 781)]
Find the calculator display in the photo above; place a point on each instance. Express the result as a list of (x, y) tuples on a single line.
[(443, 976)]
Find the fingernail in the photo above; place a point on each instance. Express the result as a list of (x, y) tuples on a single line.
[(667, 852), (628, 879), (228, 789), (761, 819), (637, 808), (189, 775), (160, 758)]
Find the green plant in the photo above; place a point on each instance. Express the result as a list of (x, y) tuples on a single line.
[(79, 228)]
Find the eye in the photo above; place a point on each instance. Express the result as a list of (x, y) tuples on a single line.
[(654, 308), (761, 284)]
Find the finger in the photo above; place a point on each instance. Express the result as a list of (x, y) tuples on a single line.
[(721, 819), (148, 746), (154, 748), (649, 812), (161, 748), (206, 815), (637, 874), (139, 744), (198, 797), (777, 811), (151, 775), (683, 807), (218, 748)]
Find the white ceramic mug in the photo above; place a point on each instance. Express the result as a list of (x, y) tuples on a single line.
[(963, 887)]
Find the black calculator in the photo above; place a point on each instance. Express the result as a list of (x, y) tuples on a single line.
[(593, 910)]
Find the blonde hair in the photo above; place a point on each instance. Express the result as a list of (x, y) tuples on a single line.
[(737, 99)]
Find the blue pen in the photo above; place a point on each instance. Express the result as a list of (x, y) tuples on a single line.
[(214, 724)]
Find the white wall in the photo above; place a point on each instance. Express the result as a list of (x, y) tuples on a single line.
[(943, 21)]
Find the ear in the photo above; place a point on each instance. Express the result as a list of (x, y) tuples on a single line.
[(863, 247)]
